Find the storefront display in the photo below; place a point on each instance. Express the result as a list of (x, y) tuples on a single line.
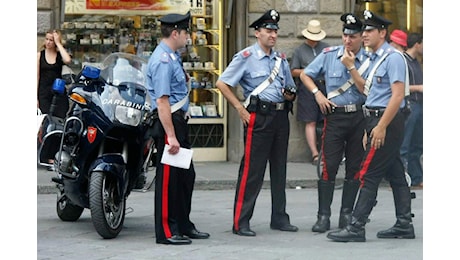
[(91, 32)]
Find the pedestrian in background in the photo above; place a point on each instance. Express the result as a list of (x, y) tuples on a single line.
[(412, 146), (307, 108), (344, 121), (398, 39), (266, 80), (167, 86), (49, 67), (384, 132)]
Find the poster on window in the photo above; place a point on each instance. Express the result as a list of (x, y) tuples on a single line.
[(138, 7)]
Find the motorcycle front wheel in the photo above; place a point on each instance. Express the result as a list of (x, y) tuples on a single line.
[(107, 207)]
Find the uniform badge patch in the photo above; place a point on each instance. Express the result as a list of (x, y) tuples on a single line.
[(91, 134)]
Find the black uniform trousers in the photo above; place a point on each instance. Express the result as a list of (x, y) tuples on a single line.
[(266, 139), (173, 186), (384, 162), (342, 134)]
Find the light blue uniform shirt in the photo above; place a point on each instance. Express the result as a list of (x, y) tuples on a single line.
[(391, 70), (251, 66), (328, 64), (166, 77)]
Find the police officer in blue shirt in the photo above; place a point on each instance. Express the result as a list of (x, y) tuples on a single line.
[(268, 87), (167, 85), (344, 122), (384, 132)]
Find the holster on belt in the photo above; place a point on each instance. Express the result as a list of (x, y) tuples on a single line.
[(253, 103), (263, 107), (289, 105)]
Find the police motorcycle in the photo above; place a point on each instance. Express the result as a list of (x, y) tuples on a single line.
[(104, 145)]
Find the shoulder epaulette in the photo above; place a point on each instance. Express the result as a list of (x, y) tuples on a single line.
[(246, 53), (164, 57), (331, 48), (390, 50)]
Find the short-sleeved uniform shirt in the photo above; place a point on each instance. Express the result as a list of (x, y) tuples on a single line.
[(251, 66), (391, 70), (166, 77), (328, 65)]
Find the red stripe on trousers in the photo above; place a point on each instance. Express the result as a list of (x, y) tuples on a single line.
[(324, 175), (365, 165), (164, 198), (244, 178)]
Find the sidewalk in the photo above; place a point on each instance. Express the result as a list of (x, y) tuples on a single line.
[(214, 176)]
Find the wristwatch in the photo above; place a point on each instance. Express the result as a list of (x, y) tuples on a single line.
[(351, 68), (314, 91)]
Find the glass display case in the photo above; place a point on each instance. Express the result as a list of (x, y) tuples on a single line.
[(89, 38), (203, 61)]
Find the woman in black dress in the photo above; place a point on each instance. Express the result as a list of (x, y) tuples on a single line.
[(49, 66)]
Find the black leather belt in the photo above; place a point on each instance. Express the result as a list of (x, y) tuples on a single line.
[(271, 105), (346, 109), (373, 112), (181, 113)]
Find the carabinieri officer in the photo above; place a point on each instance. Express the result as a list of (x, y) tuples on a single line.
[(344, 121), (385, 131), (167, 85), (268, 90)]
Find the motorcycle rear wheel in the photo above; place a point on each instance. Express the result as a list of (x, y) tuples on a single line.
[(65, 210), (107, 208)]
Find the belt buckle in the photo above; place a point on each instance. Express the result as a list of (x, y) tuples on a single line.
[(350, 108), (279, 106)]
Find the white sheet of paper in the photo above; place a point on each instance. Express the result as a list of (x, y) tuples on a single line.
[(181, 160)]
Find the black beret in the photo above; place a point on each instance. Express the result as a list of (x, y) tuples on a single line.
[(268, 20), (373, 21), (180, 21), (351, 24)]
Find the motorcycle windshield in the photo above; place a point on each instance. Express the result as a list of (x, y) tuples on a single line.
[(120, 68), (124, 98)]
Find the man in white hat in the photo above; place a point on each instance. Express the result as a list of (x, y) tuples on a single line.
[(307, 108)]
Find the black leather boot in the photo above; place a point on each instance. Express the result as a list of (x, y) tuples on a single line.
[(355, 232), (403, 227), (325, 195), (350, 189)]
